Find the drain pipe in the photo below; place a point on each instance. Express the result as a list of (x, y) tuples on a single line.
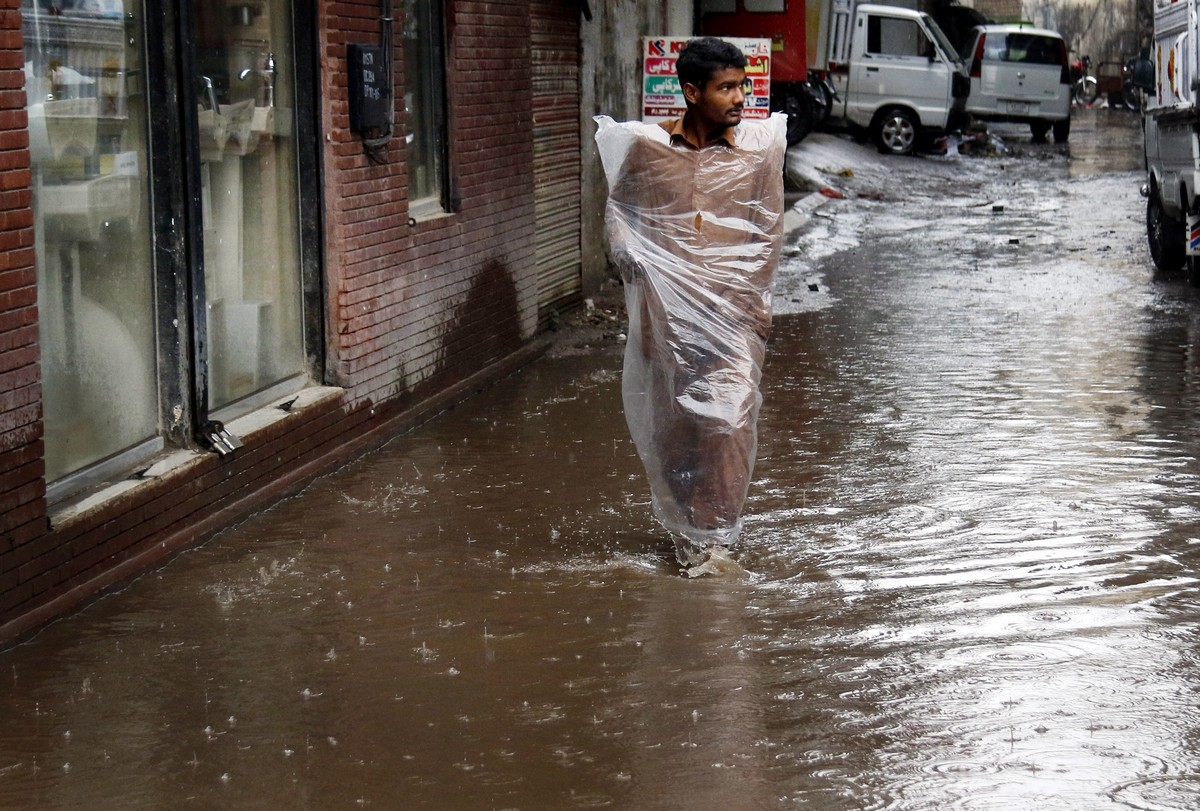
[(374, 146)]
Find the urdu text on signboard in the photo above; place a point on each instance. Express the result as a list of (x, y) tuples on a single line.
[(662, 96)]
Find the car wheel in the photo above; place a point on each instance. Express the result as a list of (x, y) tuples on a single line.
[(896, 132), (1193, 270), (1165, 235), (1062, 131), (1039, 129)]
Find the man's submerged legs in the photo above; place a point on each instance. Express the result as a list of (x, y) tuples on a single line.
[(716, 561)]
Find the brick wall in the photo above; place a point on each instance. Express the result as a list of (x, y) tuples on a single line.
[(999, 10), (22, 490), (414, 306), (417, 315)]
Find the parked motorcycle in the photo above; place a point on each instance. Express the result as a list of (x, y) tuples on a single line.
[(1138, 75), (1084, 87)]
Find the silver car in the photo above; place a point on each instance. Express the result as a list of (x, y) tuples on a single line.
[(1019, 73)]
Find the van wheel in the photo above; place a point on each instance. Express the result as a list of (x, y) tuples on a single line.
[(896, 132), (1062, 131), (1165, 235)]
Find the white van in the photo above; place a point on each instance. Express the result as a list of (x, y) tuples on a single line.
[(895, 74), (1020, 74)]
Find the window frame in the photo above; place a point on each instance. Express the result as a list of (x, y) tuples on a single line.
[(442, 201), (308, 184), (119, 464)]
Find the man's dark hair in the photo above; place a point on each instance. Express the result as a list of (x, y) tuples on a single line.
[(704, 56)]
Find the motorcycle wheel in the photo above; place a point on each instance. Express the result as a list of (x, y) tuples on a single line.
[(1086, 91), (822, 94), (1131, 97), (801, 116)]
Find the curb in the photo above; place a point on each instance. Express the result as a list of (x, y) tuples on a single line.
[(799, 212)]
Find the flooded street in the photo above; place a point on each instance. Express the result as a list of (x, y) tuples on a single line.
[(973, 538)]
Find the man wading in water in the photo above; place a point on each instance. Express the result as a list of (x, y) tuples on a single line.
[(695, 222)]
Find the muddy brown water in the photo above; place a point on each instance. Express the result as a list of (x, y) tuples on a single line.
[(973, 542)]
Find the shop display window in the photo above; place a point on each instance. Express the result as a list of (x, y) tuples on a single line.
[(249, 199), (88, 148)]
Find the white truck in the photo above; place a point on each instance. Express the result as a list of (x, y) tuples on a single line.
[(892, 70), (1171, 127)]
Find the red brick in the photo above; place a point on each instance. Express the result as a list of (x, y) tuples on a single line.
[(15, 598), (27, 523), (18, 387), (19, 425)]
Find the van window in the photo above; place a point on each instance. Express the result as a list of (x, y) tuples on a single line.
[(1029, 49), (888, 36)]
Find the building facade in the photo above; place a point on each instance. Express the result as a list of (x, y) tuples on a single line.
[(1001, 11), (227, 262)]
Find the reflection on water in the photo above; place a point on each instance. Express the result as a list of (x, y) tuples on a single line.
[(972, 537)]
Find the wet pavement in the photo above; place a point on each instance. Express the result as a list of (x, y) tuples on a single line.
[(972, 537)]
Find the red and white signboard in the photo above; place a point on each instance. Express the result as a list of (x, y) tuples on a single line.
[(662, 96)]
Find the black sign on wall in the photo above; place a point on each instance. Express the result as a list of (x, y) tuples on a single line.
[(370, 98)]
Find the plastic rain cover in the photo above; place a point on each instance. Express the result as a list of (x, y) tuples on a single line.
[(696, 236)]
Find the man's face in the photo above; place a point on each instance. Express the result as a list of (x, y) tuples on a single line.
[(719, 104)]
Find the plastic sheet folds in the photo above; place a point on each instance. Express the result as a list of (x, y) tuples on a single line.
[(696, 235)]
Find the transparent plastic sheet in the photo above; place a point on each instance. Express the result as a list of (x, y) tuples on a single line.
[(696, 236)]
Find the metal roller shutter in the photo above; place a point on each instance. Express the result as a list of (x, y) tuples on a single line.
[(556, 156)]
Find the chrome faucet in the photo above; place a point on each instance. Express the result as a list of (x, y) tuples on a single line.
[(266, 78)]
